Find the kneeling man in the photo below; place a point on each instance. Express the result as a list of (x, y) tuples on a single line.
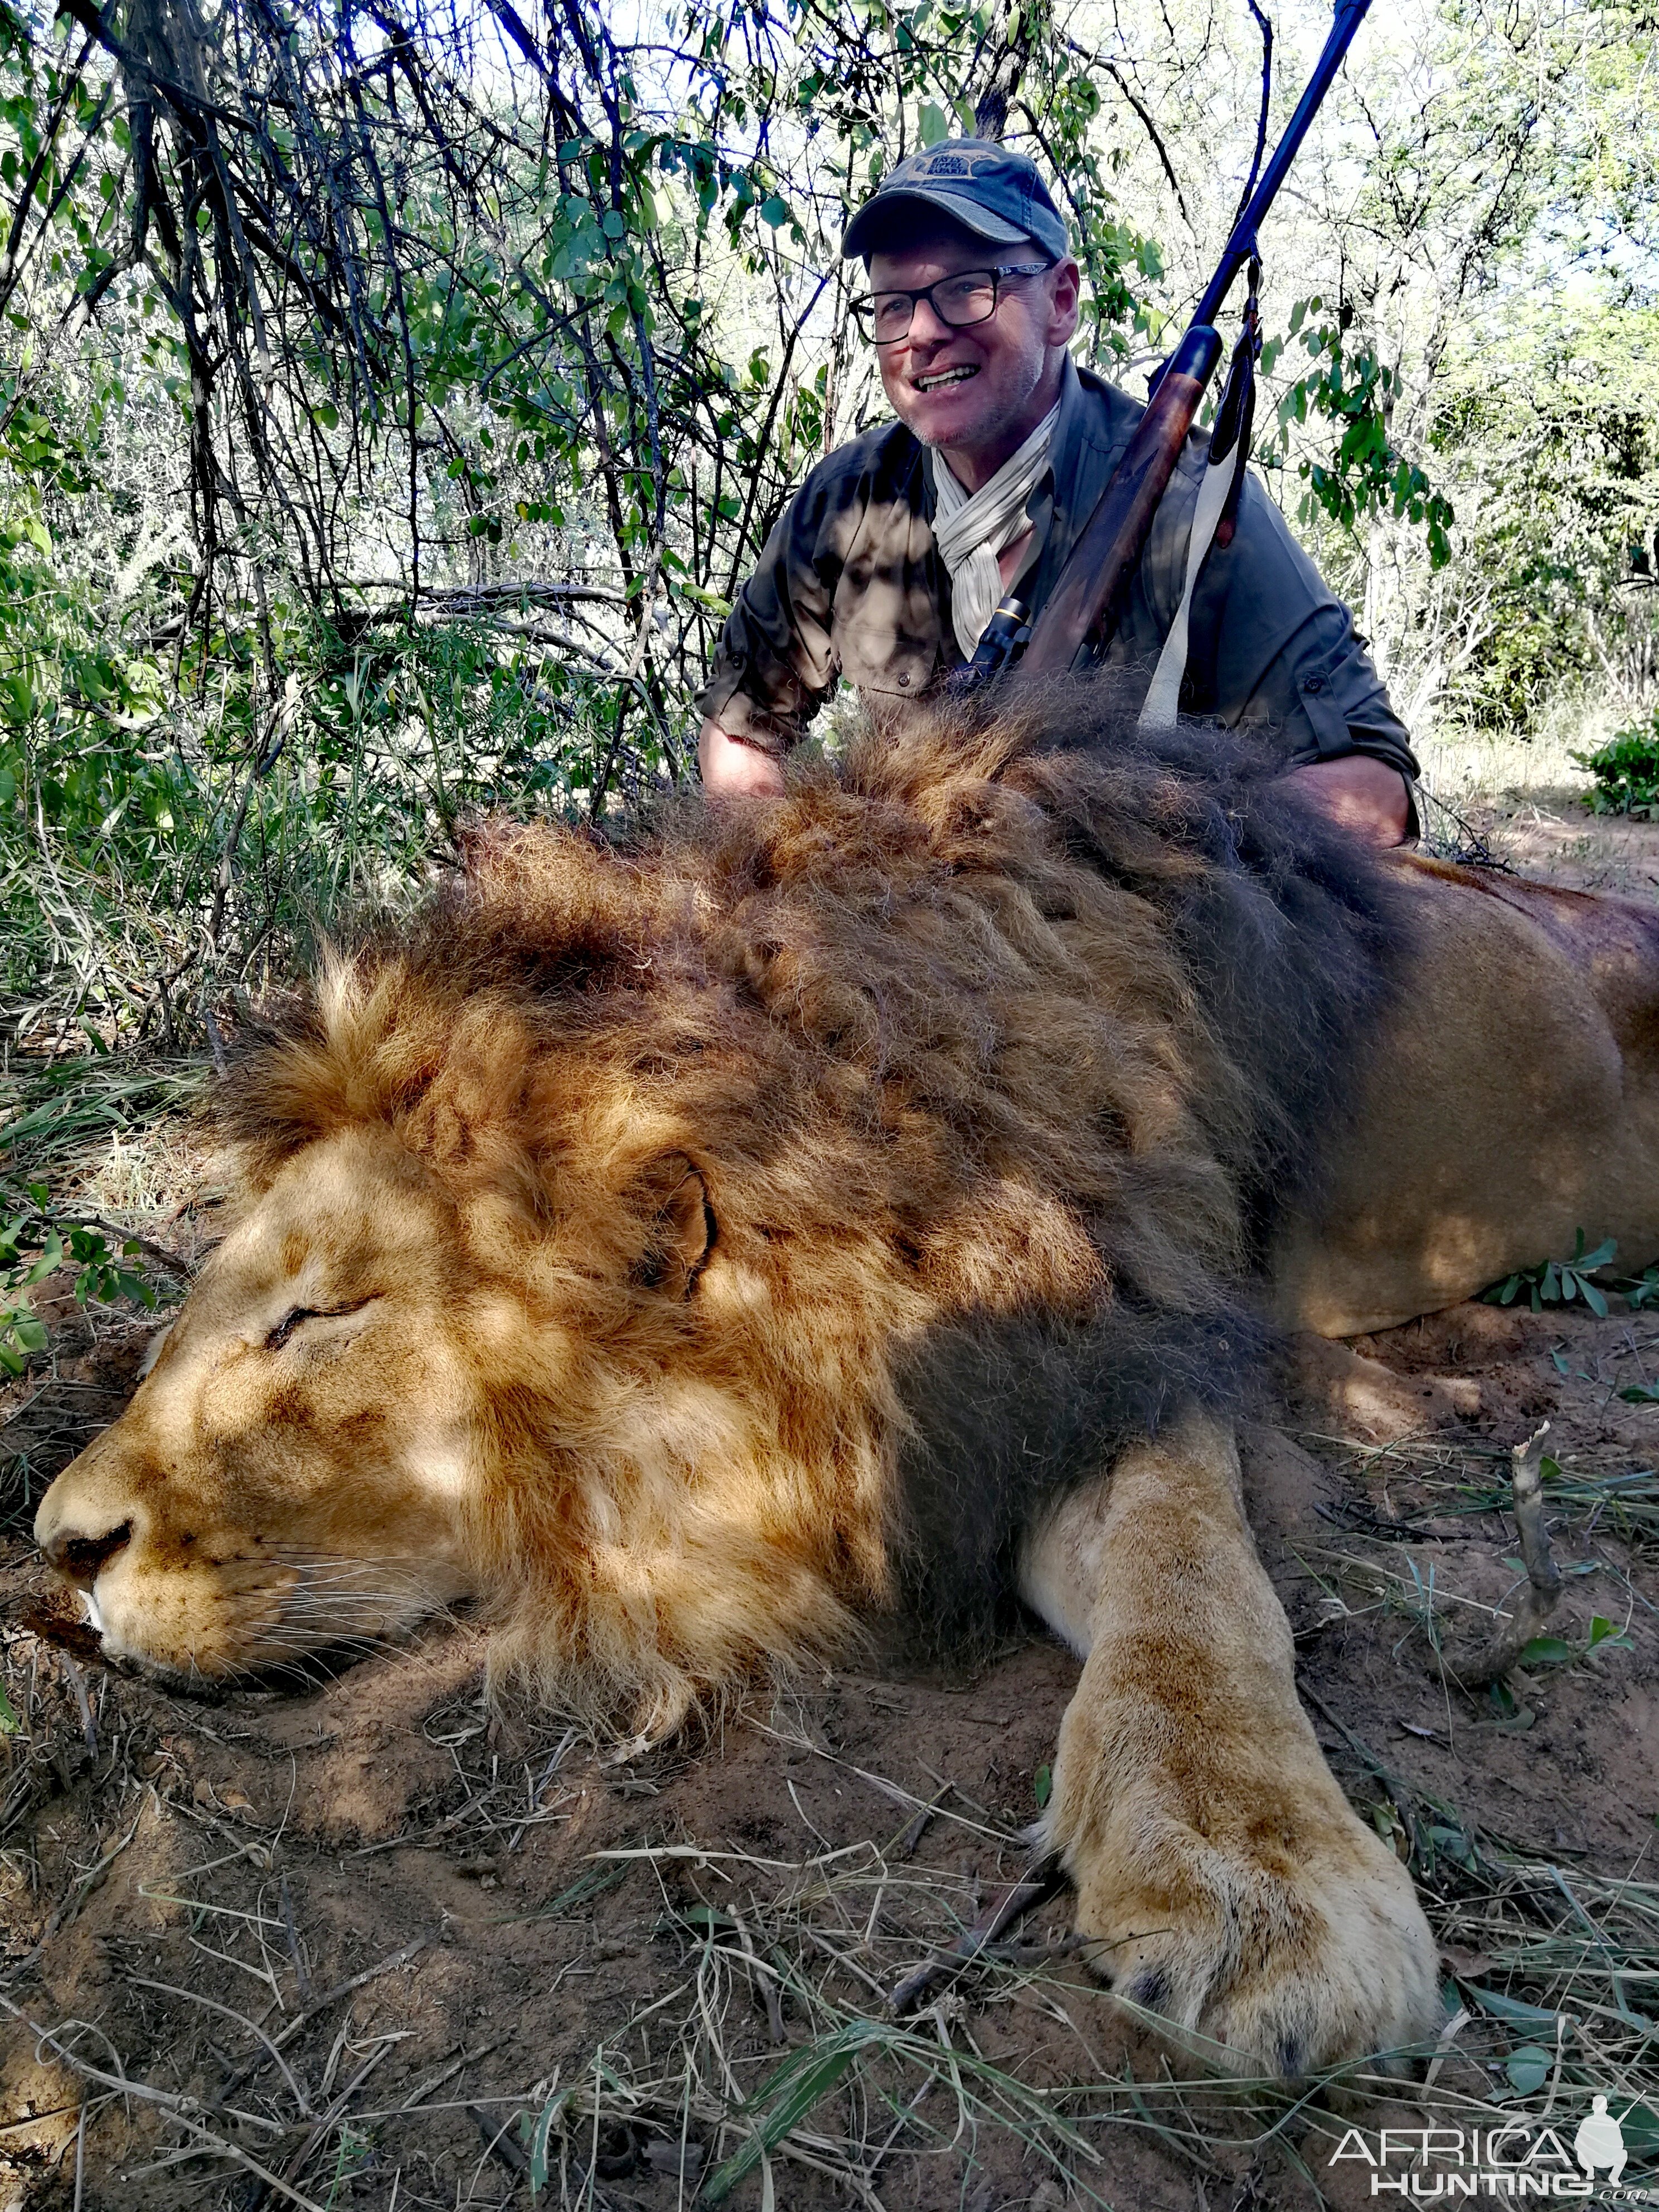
[(891, 559)]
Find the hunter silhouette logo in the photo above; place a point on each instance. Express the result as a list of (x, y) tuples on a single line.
[(1519, 2158), (1600, 2141)]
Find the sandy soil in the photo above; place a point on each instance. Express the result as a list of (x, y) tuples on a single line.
[(1551, 833)]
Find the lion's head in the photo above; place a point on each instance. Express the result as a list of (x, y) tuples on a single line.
[(292, 1467), (644, 1247)]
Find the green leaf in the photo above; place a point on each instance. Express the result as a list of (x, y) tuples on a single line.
[(585, 1888), (1454, 1843), (935, 125), (775, 210), (1043, 1786), (535, 2134), (784, 2101), (1545, 1651), (10, 1721), (1529, 2068), (1500, 2007), (1601, 1631)]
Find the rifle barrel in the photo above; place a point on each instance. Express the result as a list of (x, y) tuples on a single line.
[(1109, 542), (1241, 246), (1081, 607)]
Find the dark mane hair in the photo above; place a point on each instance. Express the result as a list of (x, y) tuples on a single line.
[(1288, 936)]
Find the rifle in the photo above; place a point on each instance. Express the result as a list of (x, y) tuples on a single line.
[(1083, 607)]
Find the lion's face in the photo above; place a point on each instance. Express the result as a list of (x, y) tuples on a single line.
[(295, 1471)]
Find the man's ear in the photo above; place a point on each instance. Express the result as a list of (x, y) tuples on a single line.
[(680, 1234), (1066, 294)]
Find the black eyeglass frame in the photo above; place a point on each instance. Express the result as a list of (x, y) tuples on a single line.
[(865, 307)]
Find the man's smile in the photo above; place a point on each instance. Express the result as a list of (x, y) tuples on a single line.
[(935, 379)]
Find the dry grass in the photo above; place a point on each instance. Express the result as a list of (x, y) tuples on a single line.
[(1555, 1972), (1462, 766)]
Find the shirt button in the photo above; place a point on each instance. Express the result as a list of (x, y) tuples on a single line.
[(904, 680), (1313, 683)]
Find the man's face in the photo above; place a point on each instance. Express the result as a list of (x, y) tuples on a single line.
[(969, 388)]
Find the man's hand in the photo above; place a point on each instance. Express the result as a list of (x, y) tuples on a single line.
[(1365, 795), (732, 769)]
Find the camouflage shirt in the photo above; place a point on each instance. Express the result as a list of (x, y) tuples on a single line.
[(851, 585)]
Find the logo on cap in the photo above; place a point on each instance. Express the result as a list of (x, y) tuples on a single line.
[(948, 165)]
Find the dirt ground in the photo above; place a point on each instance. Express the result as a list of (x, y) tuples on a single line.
[(349, 1946), (1550, 834)]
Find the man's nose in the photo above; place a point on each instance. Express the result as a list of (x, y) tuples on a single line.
[(928, 327)]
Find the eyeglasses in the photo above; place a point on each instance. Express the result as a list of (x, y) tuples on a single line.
[(961, 301)]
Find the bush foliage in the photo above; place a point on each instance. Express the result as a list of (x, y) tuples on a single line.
[(1626, 771), (392, 400)]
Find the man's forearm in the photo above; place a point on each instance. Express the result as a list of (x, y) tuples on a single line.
[(735, 770), (1364, 794)]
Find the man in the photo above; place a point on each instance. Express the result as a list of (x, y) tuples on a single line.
[(891, 559)]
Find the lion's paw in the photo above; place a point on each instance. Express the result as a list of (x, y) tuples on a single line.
[(1291, 1947)]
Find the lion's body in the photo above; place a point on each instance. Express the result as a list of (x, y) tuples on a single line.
[(1509, 1100), (686, 1249)]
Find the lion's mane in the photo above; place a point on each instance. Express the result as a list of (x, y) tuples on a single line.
[(995, 1054)]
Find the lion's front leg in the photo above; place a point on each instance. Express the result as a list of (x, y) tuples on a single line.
[(1222, 1875)]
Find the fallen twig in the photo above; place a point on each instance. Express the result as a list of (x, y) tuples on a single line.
[(73, 1898), (330, 1997), (295, 1949), (914, 1830), (1040, 1881), (182, 2109), (212, 2004), (158, 1254), (323, 2129), (77, 1682), (1543, 1588), (498, 2143)]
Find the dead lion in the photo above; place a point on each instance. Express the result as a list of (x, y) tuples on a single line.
[(684, 1248)]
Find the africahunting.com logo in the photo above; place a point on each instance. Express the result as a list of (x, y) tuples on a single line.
[(1522, 2159)]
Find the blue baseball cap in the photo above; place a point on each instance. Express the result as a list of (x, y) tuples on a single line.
[(996, 194)]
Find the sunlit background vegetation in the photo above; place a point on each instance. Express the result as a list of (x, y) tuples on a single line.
[(391, 400)]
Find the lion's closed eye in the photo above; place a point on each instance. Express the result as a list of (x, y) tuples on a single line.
[(300, 1315)]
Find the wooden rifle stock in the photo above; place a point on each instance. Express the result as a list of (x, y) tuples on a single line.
[(1110, 542)]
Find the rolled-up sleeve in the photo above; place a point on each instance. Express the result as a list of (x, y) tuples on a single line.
[(1289, 655), (775, 664)]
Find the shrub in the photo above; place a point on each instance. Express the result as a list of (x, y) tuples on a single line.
[(1626, 771)]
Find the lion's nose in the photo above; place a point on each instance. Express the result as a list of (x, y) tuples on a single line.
[(82, 1557)]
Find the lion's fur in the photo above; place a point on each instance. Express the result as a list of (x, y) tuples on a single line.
[(992, 1053)]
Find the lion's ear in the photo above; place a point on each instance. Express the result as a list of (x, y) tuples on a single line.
[(682, 1230)]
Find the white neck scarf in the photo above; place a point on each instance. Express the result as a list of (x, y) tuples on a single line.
[(971, 528)]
